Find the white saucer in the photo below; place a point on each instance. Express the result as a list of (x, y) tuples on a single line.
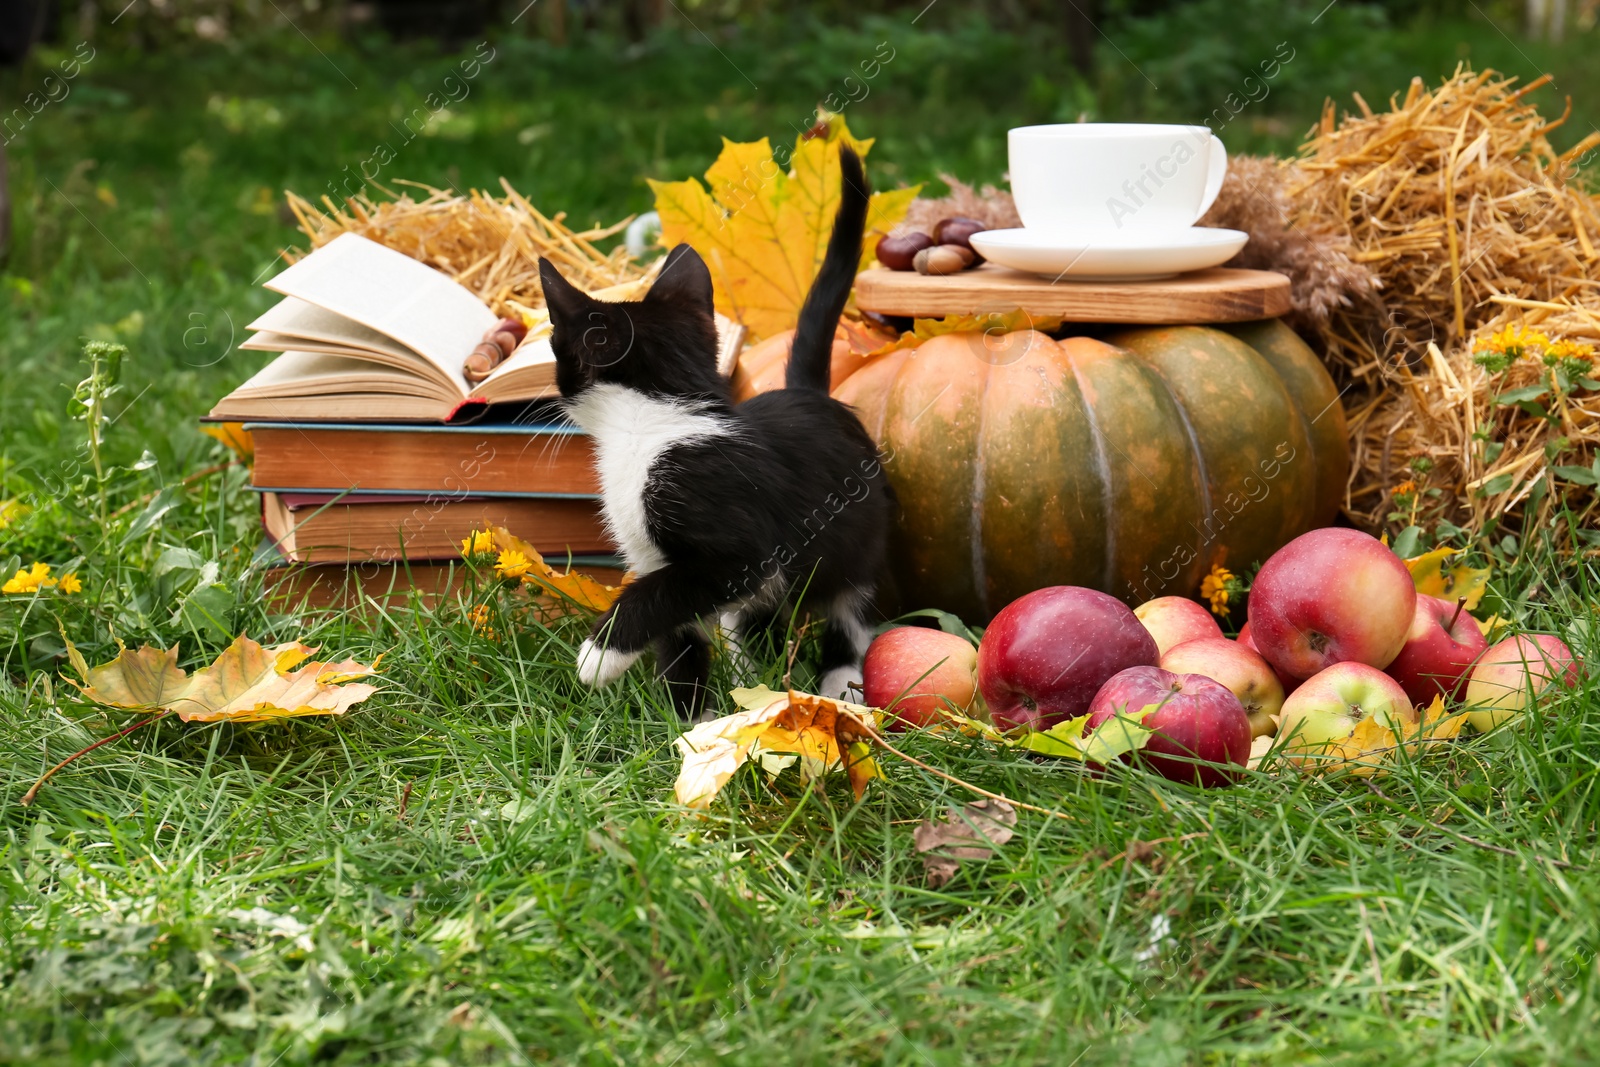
[(1134, 257)]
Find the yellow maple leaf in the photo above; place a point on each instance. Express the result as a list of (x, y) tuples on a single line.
[(570, 586), (763, 230), (824, 734), (246, 683), (1373, 743), (993, 323), (1429, 573), (233, 434), (1492, 627)]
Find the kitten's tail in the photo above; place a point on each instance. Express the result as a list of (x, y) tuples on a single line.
[(811, 354)]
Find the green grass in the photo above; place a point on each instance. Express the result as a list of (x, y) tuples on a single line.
[(483, 863)]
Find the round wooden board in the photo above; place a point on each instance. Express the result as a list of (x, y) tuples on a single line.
[(1221, 294)]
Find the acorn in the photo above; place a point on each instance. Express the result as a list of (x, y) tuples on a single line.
[(481, 362), (944, 259), (504, 340), (515, 327), (897, 252)]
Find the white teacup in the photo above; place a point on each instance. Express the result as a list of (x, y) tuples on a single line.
[(1112, 179)]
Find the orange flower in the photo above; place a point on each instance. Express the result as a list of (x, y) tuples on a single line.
[(479, 617), (1217, 587)]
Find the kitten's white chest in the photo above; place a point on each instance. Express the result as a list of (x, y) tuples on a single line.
[(631, 434)]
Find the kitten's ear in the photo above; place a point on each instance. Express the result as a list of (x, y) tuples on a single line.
[(684, 279), (564, 300)]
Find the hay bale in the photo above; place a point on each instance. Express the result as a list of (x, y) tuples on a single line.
[(491, 245), (1470, 224)]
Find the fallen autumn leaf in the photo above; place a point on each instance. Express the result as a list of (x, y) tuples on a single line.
[(247, 683), (821, 732), (974, 831)]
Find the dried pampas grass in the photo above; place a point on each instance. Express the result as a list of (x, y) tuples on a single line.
[(1315, 255), (990, 206), (491, 245)]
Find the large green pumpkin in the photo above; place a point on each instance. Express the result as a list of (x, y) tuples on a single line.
[(1129, 465)]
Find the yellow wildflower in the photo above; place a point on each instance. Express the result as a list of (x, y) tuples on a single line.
[(70, 584), (11, 510), (512, 564), (478, 543), (31, 580), (1514, 341), (1565, 349), (1405, 488), (479, 617), (1215, 587)]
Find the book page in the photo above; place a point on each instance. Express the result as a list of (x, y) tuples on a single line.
[(527, 375), (395, 295), (391, 358), (293, 317), (311, 386), (391, 354), (301, 374)]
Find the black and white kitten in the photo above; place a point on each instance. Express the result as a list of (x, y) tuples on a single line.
[(723, 512)]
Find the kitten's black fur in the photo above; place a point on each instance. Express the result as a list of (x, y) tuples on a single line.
[(740, 510)]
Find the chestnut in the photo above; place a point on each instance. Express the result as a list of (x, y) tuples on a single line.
[(958, 230), (898, 250)]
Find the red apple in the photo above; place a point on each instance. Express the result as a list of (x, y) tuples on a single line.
[(1512, 672), (1440, 649), (1238, 669), (1046, 654), (918, 674), (1329, 704), (1172, 620), (1289, 684), (1331, 596), (1196, 719)]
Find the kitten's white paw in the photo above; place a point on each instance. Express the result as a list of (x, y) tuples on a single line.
[(836, 683), (599, 666), (744, 667)]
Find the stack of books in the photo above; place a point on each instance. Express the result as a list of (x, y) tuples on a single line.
[(352, 510), (375, 458)]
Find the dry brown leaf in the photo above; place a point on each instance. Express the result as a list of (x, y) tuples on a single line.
[(247, 683), (974, 831), (823, 733)]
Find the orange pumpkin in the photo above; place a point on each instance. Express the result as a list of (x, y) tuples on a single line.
[(761, 366), (1129, 465)]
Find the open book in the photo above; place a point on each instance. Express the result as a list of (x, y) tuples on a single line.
[(370, 334)]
